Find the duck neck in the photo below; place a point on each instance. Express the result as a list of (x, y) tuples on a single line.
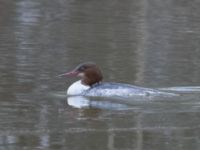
[(92, 77)]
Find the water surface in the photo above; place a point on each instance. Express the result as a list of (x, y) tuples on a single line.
[(147, 43)]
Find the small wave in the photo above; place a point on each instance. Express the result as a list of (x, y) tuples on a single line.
[(188, 89)]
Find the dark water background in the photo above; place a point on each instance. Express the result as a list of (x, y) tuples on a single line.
[(147, 43)]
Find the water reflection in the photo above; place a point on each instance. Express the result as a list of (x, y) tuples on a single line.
[(111, 138), (28, 12), (147, 43), (10, 139), (86, 102), (44, 141)]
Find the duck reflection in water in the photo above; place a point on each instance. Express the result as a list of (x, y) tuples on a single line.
[(91, 102)]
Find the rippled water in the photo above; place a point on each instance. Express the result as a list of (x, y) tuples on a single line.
[(147, 43)]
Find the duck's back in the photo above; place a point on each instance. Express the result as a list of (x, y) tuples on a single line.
[(122, 90)]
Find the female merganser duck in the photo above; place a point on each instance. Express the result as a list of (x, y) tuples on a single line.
[(91, 84)]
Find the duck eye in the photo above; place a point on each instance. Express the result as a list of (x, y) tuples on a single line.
[(82, 68)]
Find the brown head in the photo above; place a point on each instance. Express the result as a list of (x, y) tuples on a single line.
[(89, 73)]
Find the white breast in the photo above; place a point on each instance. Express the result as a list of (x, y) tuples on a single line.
[(77, 88)]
